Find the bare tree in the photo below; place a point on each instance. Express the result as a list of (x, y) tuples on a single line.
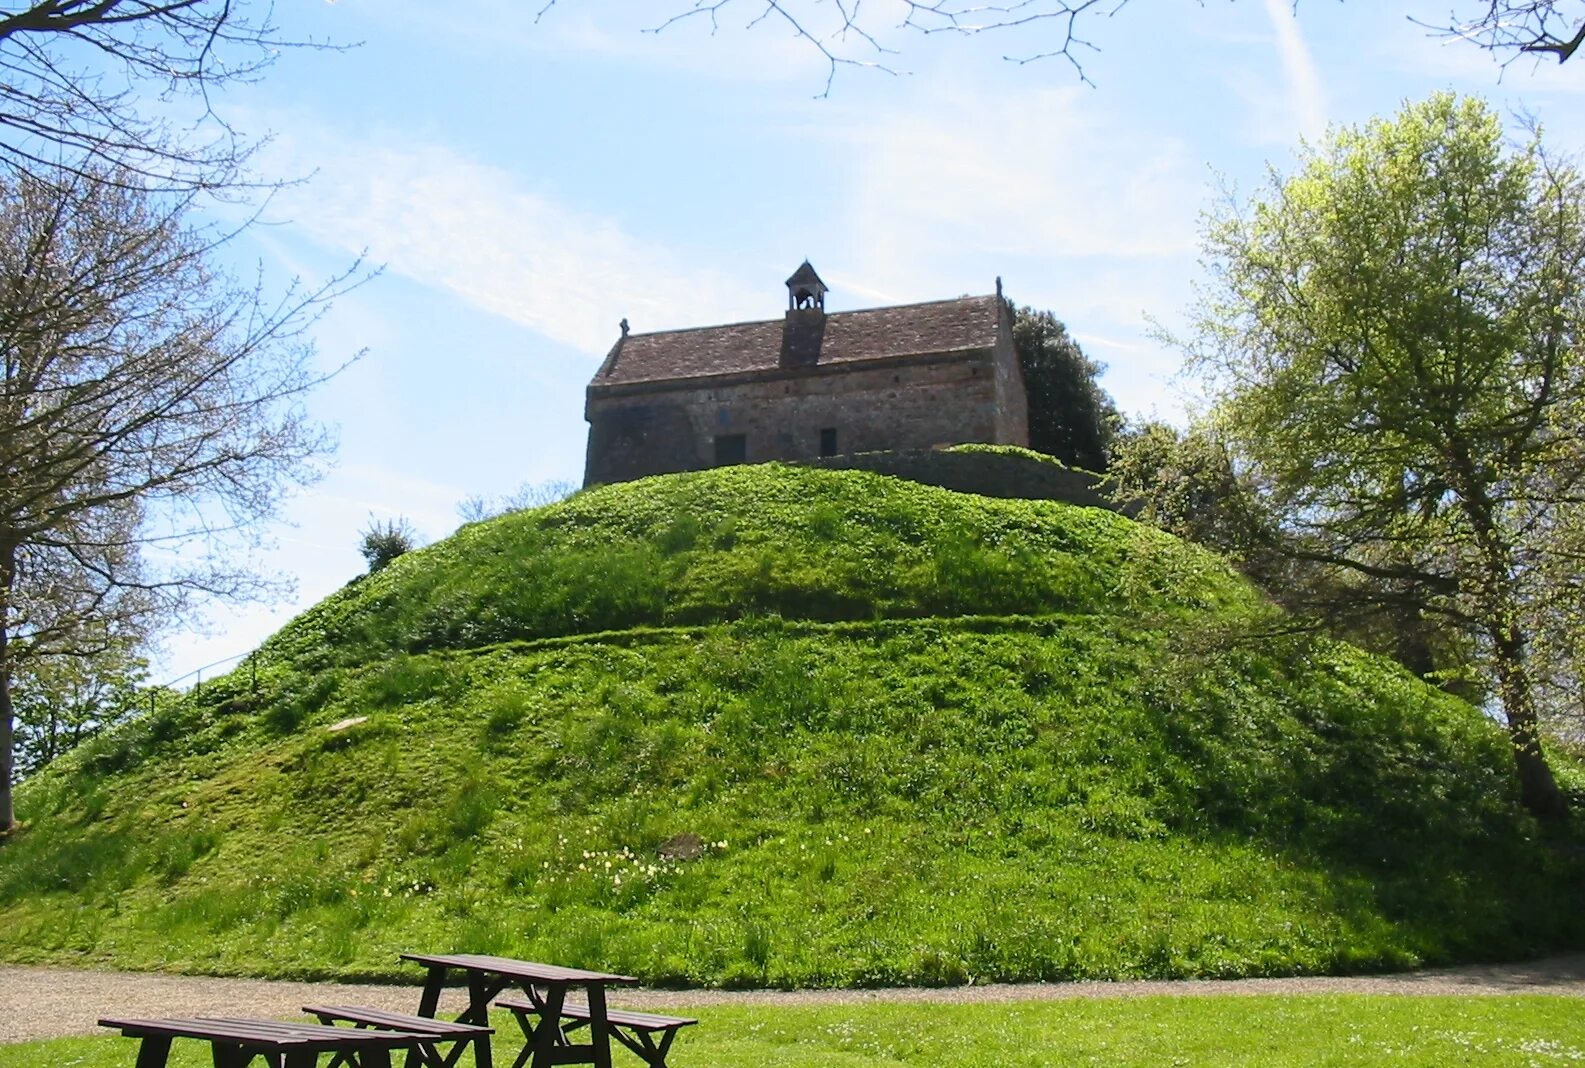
[(529, 495), (150, 416), (1512, 28), (847, 33), (100, 85)]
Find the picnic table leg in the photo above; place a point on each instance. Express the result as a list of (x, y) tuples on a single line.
[(154, 1051), (549, 1029), (599, 1026), (479, 995), (430, 1001), (229, 1055), (372, 1058)]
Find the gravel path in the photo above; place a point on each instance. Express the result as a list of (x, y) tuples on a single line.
[(48, 1002)]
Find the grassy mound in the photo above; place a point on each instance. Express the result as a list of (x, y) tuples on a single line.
[(752, 541), (772, 726)]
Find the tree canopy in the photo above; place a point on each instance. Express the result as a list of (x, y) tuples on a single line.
[(1392, 338), (1070, 416)]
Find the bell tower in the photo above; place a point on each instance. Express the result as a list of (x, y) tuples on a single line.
[(804, 330), (805, 290)]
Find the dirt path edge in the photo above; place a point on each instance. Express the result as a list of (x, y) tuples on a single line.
[(38, 1003)]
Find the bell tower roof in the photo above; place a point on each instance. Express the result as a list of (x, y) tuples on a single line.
[(805, 289)]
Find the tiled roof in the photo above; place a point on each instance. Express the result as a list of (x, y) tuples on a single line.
[(849, 337)]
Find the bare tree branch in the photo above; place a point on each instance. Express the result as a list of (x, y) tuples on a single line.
[(845, 34), (145, 399), (78, 78), (1513, 28)]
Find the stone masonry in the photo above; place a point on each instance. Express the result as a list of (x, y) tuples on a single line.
[(915, 376)]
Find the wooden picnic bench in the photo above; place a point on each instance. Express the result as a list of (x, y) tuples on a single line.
[(546, 987), (635, 1030), (236, 1041), (460, 1035)]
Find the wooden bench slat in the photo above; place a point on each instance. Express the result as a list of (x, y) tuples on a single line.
[(400, 1021), (643, 1021), (518, 969), (265, 1033), (324, 1037)]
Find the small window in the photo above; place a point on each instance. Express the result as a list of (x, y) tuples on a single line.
[(828, 441), (730, 449)]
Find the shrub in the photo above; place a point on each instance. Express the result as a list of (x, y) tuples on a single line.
[(384, 542)]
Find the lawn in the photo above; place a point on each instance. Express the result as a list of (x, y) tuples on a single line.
[(1270, 1031)]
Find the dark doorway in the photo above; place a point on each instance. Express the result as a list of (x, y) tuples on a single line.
[(730, 449), (828, 441)]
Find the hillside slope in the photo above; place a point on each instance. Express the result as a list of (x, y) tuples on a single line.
[(779, 726)]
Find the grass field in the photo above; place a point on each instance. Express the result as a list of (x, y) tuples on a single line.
[(1263, 1031)]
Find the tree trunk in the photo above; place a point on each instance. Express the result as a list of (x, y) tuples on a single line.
[(7, 713), (1538, 790), (1414, 649)]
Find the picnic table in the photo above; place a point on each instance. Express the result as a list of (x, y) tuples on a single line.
[(545, 985), (236, 1041)]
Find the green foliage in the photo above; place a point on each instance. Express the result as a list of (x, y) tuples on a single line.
[(735, 542), (1393, 333), (60, 701), (1185, 483), (381, 543), (1111, 780), (1070, 416)]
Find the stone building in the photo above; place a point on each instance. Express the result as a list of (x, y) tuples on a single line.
[(807, 385)]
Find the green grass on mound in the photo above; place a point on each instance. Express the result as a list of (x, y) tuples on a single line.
[(752, 541), (1110, 784)]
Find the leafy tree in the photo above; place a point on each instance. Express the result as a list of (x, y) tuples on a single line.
[(62, 701), (1070, 416), (1392, 337), (1186, 482), (853, 35), (383, 542), (146, 400)]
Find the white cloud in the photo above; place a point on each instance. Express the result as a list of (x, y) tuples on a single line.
[(967, 172), (1082, 215), (447, 221), (1305, 95)]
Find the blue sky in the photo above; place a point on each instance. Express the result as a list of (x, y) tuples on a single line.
[(526, 185)]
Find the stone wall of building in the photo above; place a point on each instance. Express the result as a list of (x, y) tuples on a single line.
[(915, 402), (990, 474), (1012, 401)]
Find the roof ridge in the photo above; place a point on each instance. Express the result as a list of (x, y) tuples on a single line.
[(829, 315)]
